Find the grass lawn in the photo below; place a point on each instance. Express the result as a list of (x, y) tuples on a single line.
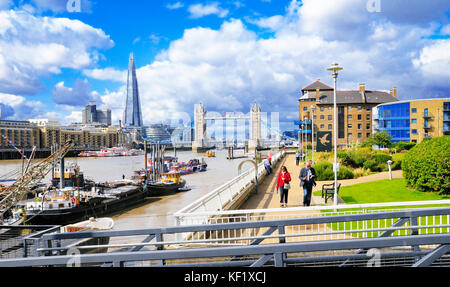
[(385, 191)]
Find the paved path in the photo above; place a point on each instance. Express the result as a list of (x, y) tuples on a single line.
[(268, 198)]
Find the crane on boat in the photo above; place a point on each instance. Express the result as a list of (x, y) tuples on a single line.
[(13, 194)]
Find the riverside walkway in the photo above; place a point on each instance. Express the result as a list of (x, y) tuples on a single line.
[(267, 196)]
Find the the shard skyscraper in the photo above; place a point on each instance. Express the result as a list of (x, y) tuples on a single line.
[(132, 116)]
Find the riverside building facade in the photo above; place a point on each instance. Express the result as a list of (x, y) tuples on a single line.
[(43, 133), (415, 120), (354, 108)]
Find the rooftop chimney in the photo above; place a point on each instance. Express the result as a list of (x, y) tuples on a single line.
[(395, 92), (317, 95), (362, 90)]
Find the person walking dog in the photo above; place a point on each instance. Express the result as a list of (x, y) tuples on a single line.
[(284, 185), (307, 181)]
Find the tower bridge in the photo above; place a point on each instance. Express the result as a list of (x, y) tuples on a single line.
[(255, 138)]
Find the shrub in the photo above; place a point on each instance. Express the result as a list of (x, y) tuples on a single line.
[(382, 158), (344, 157), (397, 161), (402, 146), (426, 167), (360, 172), (345, 173), (324, 171), (370, 164)]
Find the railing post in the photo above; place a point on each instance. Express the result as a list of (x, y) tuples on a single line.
[(159, 238), (415, 231)]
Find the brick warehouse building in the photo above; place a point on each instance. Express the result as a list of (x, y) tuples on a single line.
[(354, 110)]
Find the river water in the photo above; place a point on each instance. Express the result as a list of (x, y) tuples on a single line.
[(156, 211)]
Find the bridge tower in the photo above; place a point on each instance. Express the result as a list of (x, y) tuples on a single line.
[(255, 127), (199, 128)]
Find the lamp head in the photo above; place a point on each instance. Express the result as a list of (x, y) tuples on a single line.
[(335, 69)]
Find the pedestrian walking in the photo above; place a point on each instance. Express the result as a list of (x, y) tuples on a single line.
[(267, 165), (298, 155), (283, 186), (307, 181)]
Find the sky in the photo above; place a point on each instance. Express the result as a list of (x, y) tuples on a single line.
[(58, 55)]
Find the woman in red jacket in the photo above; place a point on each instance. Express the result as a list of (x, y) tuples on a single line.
[(283, 185)]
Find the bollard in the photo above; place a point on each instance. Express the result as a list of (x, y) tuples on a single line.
[(390, 169)]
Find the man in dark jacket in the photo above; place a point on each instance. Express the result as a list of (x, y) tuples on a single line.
[(307, 181)]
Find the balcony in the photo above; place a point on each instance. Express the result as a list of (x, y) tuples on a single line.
[(426, 116), (427, 127)]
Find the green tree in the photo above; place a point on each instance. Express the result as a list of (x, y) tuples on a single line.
[(382, 139)]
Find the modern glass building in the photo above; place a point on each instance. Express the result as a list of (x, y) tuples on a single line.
[(415, 120), (133, 112), (395, 119)]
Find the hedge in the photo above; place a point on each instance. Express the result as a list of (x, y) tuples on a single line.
[(426, 167), (324, 171)]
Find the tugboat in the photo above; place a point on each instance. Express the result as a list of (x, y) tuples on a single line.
[(170, 182)]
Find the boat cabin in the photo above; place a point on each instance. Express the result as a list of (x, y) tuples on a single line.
[(171, 177)]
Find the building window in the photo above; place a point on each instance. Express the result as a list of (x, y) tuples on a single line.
[(359, 108), (349, 108), (350, 135), (368, 135), (360, 127), (330, 118), (305, 109), (350, 117), (414, 132), (330, 108), (368, 126), (322, 117), (368, 117), (414, 121), (368, 108), (322, 127), (414, 111), (330, 127), (360, 135), (359, 117), (350, 126), (322, 109)]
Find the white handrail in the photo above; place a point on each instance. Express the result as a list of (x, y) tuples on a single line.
[(315, 208), (213, 194)]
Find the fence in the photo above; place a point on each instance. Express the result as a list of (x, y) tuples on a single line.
[(22, 241), (317, 231), (390, 248)]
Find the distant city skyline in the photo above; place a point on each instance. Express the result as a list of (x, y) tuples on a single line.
[(226, 54)]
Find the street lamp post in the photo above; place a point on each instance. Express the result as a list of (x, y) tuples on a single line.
[(313, 109), (335, 70)]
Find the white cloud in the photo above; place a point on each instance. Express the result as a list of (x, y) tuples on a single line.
[(201, 10), (32, 46), (79, 95), (434, 62), (21, 108), (109, 74), (176, 5), (6, 4), (446, 30)]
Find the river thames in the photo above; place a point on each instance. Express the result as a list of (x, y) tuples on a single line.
[(156, 211)]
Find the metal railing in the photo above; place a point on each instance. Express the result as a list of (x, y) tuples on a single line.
[(318, 231), (256, 250), (228, 193)]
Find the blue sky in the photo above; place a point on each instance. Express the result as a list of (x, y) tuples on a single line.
[(226, 54)]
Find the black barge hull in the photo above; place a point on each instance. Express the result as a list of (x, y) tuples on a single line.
[(84, 211)]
